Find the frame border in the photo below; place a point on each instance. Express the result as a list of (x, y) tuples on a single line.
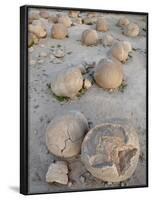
[(24, 97)]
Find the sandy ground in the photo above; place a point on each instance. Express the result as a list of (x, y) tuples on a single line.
[(96, 104)]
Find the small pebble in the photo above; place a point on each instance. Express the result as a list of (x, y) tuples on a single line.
[(32, 62), (40, 61), (59, 53), (43, 54), (82, 179)]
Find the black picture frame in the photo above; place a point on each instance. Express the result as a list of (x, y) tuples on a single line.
[(24, 95)]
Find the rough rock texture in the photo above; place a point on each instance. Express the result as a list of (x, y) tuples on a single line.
[(132, 30), (57, 172), (89, 37), (102, 25), (110, 151), (59, 31), (67, 83), (108, 74), (65, 134)]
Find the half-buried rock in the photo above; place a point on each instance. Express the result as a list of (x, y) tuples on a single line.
[(57, 172), (119, 51), (132, 30), (89, 37), (109, 73), (110, 151), (65, 20), (102, 25), (59, 31), (67, 83), (65, 134)]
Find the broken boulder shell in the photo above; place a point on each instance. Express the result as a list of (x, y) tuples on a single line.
[(132, 30), (65, 20), (102, 25), (67, 82), (110, 151), (59, 31), (89, 37), (57, 172), (108, 73), (65, 134), (123, 21)]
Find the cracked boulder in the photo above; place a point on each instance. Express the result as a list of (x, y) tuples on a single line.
[(67, 83), (110, 151), (57, 172), (65, 134)]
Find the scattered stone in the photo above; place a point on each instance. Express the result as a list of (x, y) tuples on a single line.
[(32, 62), (132, 30), (107, 40), (51, 57), (76, 21), (57, 172), (59, 31), (82, 179), (67, 82), (38, 30), (108, 74), (56, 61), (69, 184), (89, 37), (65, 20), (40, 61), (89, 20), (123, 21), (87, 84), (31, 49), (43, 54), (59, 53), (74, 13), (119, 51), (102, 24)]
